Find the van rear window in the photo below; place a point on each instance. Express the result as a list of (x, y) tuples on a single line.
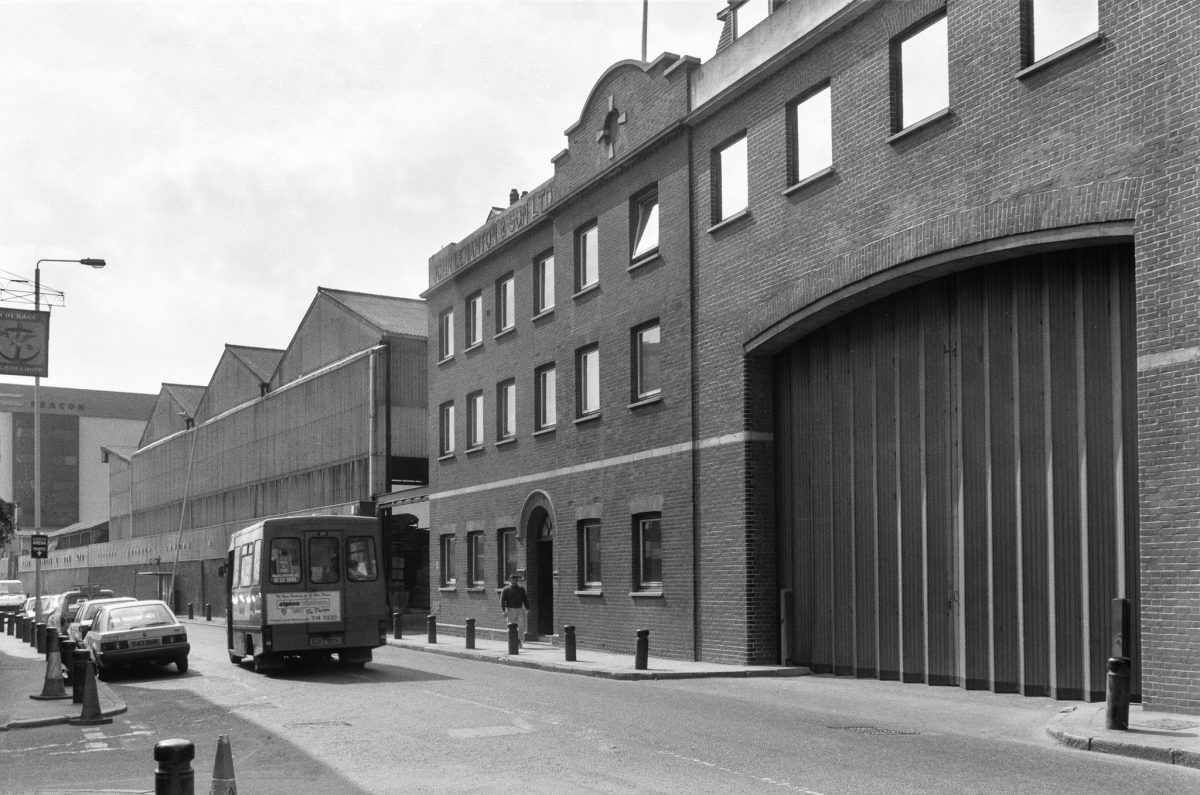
[(285, 561)]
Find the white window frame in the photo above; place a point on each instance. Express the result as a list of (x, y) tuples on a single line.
[(1066, 22), (543, 284), (506, 553), (506, 409), (641, 523), (475, 420), (506, 306), (446, 334), (446, 573), (587, 256), (642, 391), (921, 72), (587, 381), (474, 320), (475, 564), (810, 126), (589, 530), (546, 392), (645, 225), (731, 189), (446, 428)]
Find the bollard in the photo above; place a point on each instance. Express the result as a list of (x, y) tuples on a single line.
[(79, 663), (569, 642), (207, 611), (66, 654), (191, 610), (642, 656), (514, 640), (431, 628), (397, 620), (39, 637), (8, 625), (470, 633), (174, 775), (1116, 708)]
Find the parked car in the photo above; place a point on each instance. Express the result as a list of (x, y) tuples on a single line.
[(142, 631), (12, 596), (78, 629), (67, 602), (29, 609)]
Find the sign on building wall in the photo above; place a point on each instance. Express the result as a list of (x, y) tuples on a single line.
[(24, 342)]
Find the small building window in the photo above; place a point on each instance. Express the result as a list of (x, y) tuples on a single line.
[(587, 380), (474, 320), (647, 361), (446, 428), (448, 577), (644, 222), (589, 555), (506, 548), (648, 560), (475, 572), (446, 334), (474, 420), (587, 256), (506, 409), (731, 179), (1051, 25), (749, 14), (920, 73), (543, 284), (811, 130), (545, 397), (505, 304)]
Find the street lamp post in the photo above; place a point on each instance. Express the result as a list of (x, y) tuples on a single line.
[(37, 425)]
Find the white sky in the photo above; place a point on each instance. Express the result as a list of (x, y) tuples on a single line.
[(227, 158)]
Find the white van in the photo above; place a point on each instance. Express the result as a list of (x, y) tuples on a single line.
[(12, 596)]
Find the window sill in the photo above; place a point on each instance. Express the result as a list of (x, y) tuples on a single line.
[(506, 441), (648, 594), (590, 592), (917, 126), (1063, 54), (646, 401), (728, 222), (811, 179), (477, 589), (445, 456), (445, 360), (474, 346), (448, 588), (582, 291), (474, 450), (593, 417), (644, 260), (545, 313), (544, 431), (504, 332)]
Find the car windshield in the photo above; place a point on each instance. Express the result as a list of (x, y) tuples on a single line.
[(90, 609), (139, 617), (11, 587)]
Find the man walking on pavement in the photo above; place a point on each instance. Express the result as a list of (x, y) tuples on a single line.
[(514, 603)]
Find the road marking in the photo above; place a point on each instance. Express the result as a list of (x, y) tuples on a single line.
[(761, 779), (488, 731)]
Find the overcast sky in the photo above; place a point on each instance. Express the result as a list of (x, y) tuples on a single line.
[(227, 158)]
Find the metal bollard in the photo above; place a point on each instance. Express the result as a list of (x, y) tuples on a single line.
[(207, 612), (174, 775), (514, 640), (569, 642), (431, 628), (191, 610), (397, 617), (39, 638), (641, 657), (66, 655), (79, 662), (1116, 708), (8, 624), (470, 633)]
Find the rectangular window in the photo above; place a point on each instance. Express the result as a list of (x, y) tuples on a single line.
[(589, 555), (505, 304), (448, 577), (587, 256), (324, 567), (647, 361), (811, 130), (920, 73), (587, 380), (475, 574), (474, 319), (446, 428), (246, 574), (285, 561), (362, 565), (731, 185), (506, 409), (1052, 25), (749, 14), (474, 420), (506, 549), (543, 284), (446, 334), (644, 218), (647, 540), (545, 397)]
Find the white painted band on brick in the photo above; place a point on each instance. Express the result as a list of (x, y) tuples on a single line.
[(658, 452), (1155, 361)]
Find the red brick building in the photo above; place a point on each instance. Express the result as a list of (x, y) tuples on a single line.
[(924, 298)]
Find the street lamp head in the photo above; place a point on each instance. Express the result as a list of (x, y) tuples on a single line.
[(93, 263)]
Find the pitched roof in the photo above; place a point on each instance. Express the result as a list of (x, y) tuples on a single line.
[(260, 361), (387, 313), (187, 396)]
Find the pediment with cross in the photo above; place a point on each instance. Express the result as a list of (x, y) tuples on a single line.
[(607, 135)]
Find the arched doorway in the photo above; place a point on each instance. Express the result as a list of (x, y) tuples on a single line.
[(537, 529)]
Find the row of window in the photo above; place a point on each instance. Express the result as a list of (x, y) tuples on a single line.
[(319, 564), (646, 558), (644, 227), (920, 65), (645, 350)]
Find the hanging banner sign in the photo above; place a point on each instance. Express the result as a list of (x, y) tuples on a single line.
[(24, 342)]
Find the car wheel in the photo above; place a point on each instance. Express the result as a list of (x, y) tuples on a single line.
[(181, 665), (235, 658)]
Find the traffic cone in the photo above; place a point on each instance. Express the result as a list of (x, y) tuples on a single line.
[(222, 781), (91, 701), (52, 688)]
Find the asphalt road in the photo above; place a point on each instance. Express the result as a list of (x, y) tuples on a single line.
[(418, 722)]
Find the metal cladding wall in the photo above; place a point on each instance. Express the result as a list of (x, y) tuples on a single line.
[(956, 478)]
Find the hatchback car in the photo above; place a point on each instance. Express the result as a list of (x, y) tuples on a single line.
[(67, 602), (143, 631), (30, 608), (78, 628)]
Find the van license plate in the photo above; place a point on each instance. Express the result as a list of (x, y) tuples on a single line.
[(325, 640)]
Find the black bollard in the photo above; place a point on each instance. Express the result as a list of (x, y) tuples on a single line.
[(1116, 707), (431, 628), (66, 655), (641, 658), (470, 633), (207, 612), (514, 640), (191, 610), (174, 775), (39, 638), (569, 642), (397, 620), (79, 661)]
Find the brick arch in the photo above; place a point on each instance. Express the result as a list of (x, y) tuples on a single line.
[(535, 500)]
